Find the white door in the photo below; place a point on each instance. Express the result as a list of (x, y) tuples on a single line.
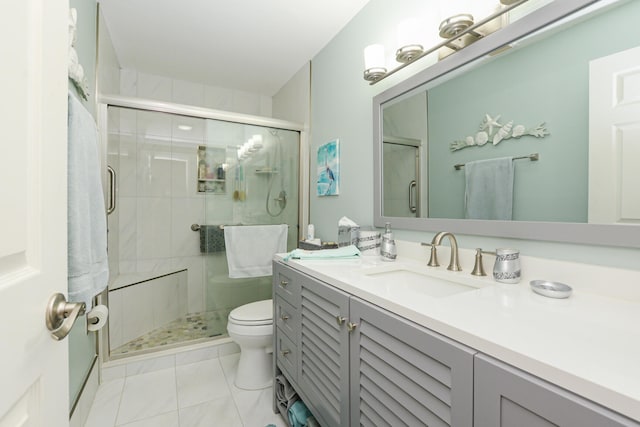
[(614, 138), (33, 222)]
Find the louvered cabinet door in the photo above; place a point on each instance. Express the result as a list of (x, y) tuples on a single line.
[(405, 375), (323, 361)]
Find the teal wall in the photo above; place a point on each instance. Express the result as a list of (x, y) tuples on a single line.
[(544, 82), (341, 105), (82, 347)]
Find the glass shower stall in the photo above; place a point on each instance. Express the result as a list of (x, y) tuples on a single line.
[(177, 176)]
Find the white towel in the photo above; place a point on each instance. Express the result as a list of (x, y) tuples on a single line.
[(250, 248), (88, 269), (489, 189)]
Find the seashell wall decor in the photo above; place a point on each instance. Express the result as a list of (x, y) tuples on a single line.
[(492, 130)]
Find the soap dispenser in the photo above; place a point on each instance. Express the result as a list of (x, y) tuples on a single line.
[(388, 250)]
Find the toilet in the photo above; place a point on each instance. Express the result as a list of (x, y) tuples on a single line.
[(251, 327)]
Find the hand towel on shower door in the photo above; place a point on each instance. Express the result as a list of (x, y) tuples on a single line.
[(250, 248), (489, 189), (88, 269)]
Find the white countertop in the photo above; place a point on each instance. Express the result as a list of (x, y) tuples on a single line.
[(588, 343)]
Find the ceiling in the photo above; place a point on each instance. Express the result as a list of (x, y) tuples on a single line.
[(249, 45)]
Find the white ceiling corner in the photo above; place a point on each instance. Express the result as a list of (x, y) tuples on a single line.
[(250, 45)]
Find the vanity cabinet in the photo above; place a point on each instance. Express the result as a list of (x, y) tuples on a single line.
[(404, 374), (508, 397), (356, 364)]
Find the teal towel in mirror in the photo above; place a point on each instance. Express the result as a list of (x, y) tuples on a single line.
[(489, 189)]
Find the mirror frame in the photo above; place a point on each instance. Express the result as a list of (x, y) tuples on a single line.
[(623, 235)]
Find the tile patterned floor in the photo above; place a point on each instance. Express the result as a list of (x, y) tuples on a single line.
[(195, 394), (189, 328)]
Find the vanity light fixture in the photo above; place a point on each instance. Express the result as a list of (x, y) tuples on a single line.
[(459, 30), (374, 68), (408, 34)]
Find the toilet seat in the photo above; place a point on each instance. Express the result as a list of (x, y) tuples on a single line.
[(253, 314)]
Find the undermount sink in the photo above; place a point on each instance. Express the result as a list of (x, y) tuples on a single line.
[(416, 280)]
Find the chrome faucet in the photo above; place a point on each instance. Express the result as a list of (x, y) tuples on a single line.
[(454, 264)]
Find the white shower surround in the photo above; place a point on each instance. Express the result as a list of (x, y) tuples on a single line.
[(172, 204)]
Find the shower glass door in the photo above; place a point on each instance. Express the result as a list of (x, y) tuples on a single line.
[(173, 175)]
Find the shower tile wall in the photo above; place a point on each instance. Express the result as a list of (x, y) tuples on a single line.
[(148, 86), (156, 179), (157, 197)]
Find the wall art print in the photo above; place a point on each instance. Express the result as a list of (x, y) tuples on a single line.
[(328, 169)]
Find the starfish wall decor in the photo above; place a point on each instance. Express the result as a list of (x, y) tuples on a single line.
[(492, 130)]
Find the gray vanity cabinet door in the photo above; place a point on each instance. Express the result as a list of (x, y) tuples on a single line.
[(508, 397), (404, 374), (323, 360)]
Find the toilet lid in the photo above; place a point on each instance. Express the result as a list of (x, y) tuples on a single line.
[(255, 313)]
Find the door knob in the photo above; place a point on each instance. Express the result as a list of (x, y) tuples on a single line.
[(340, 320), (351, 326), (61, 315)]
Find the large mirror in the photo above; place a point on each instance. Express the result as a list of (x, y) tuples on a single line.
[(548, 107)]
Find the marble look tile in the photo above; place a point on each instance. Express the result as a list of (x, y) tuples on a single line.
[(151, 86), (113, 372), (154, 125), (153, 168), (165, 300), (195, 282), (170, 419), (229, 349), (198, 355), (186, 211), (255, 407), (246, 102), (229, 365), (218, 98), (128, 82), (153, 227), (191, 137), (220, 412), (150, 365), (137, 315), (127, 176), (128, 235), (266, 106), (188, 93), (147, 395), (183, 292), (105, 406), (115, 322), (184, 170), (199, 382)]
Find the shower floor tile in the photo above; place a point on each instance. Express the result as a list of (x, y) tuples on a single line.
[(192, 327)]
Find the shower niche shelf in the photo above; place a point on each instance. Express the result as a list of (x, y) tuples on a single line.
[(211, 170)]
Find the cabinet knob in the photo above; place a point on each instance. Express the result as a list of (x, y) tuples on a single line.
[(283, 283), (340, 320), (284, 317), (351, 326), (284, 352)]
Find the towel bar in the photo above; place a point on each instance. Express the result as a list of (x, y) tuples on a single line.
[(533, 157), (196, 227)]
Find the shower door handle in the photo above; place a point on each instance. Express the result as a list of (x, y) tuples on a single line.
[(412, 202), (112, 190)]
